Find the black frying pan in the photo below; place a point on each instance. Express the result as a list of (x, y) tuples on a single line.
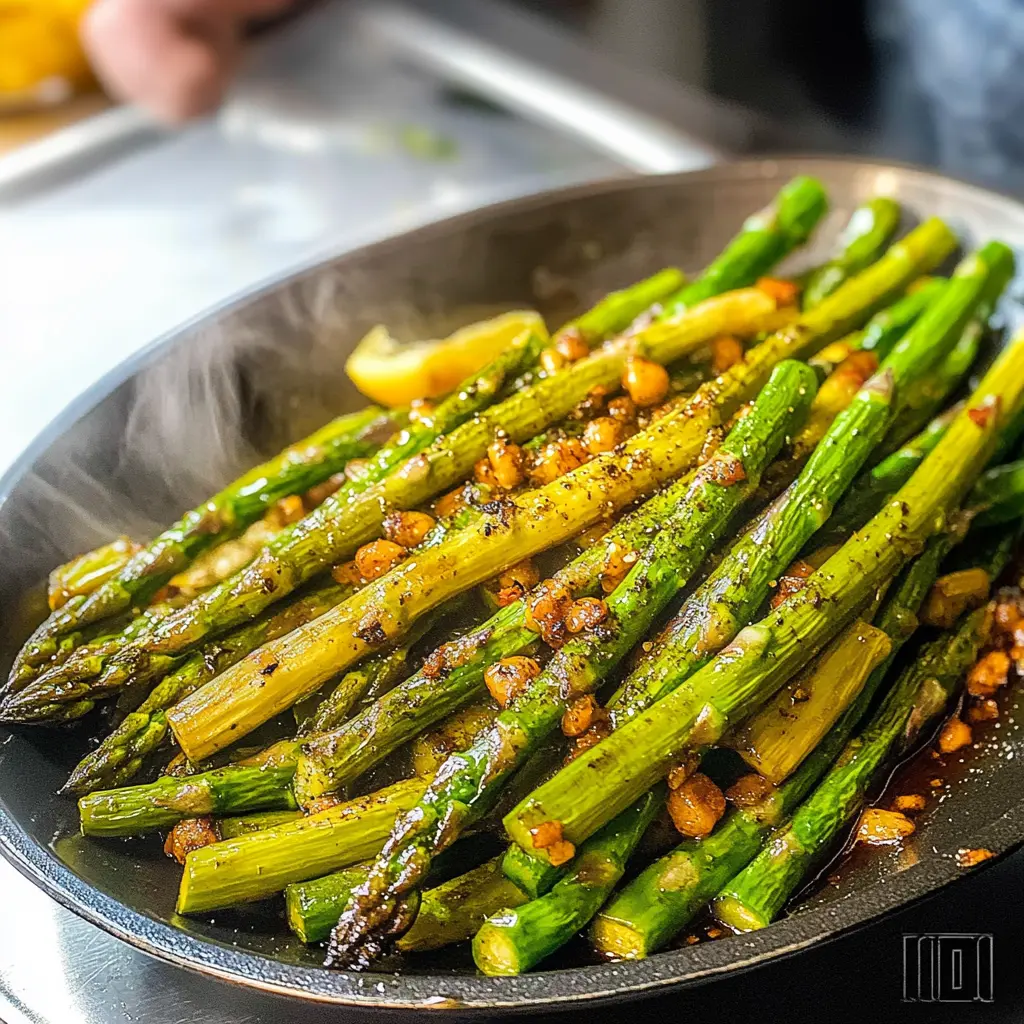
[(264, 369)]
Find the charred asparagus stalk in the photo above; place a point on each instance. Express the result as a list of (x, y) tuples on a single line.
[(334, 530), (120, 756), (450, 912), (741, 679), (728, 599), (88, 572), (582, 496)]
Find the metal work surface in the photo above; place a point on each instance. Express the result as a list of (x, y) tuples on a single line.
[(289, 340)]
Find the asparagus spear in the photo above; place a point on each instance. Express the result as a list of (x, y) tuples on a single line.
[(765, 238), (662, 900), (86, 573), (810, 704), (450, 912), (455, 675), (870, 491), (468, 781), (134, 810), (378, 672), (255, 866), (870, 227), (258, 821), (932, 391), (310, 906), (617, 310), (336, 528), (515, 939), (758, 893), (998, 493), (728, 599), (120, 756), (296, 469), (547, 515), (633, 757)]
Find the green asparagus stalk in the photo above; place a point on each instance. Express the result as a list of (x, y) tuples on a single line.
[(134, 810), (662, 900), (335, 529), (468, 781), (258, 821), (931, 392), (295, 470), (759, 892), (88, 572), (729, 598), (379, 672), (516, 939), (633, 757), (765, 238), (998, 494), (61, 710), (450, 912), (120, 756), (810, 704), (870, 227), (617, 310), (336, 758), (453, 911), (311, 908), (255, 866)]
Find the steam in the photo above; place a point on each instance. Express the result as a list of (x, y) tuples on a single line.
[(219, 401)]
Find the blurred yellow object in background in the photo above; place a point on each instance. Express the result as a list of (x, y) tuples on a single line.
[(41, 59)]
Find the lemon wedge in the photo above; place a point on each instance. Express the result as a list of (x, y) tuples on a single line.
[(394, 373)]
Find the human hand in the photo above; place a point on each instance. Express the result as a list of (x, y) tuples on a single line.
[(173, 57)]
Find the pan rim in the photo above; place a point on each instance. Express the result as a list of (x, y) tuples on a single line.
[(549, 990)]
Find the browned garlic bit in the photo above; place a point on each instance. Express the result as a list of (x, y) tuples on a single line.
[(506, 461), (378, 557), (696, 806), (646, 382), (792, 582), (581, 715), (516, 582), (879, 827), (407, 529), (726, 352), (586, 613), (955, 735), (508, 678), (749, 790), (972, 858), (188, 835), (909, 803), (548, 837)]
